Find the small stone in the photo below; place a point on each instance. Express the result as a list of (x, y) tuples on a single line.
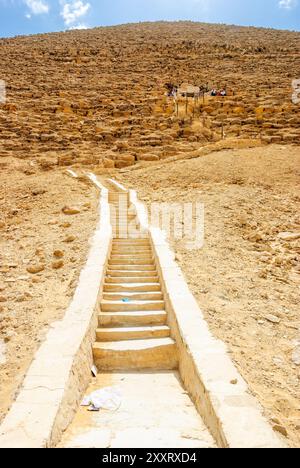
[(289, 236), (65, 225), (70, 210), (70, 239), (57, 264), (260, 322), (22, 298), (278, 361), (8, 336), (33, 269), (2, 224), (234, 382), (178, 257), (296, 356), (281, 429), (276, 421), (272, 318), (58, 254), (38, 192), (3, 299), (36, 280)]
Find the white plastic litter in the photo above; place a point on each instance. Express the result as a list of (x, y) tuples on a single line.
[(94, 371), (108, 398)]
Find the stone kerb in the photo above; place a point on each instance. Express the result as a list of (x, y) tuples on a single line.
[(220, 394)]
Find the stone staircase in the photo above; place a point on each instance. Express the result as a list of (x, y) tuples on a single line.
[(133, 331)]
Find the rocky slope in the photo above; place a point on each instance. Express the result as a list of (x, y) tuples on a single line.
[(97, 97)]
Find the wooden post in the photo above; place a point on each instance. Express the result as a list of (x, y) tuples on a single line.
[(186, 105), (223, 135)]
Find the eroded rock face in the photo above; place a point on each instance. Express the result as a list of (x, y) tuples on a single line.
[(88, 97)]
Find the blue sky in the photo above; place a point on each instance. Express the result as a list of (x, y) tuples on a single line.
[(18, 17)]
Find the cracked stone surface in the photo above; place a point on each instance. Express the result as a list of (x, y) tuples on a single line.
[(155, 412)]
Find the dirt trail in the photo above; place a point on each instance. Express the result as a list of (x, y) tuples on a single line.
[(35, 235), (246, 278)]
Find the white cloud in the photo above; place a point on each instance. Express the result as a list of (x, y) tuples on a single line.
[(288, 4), (72, 11), (79, 26), (37, 7)]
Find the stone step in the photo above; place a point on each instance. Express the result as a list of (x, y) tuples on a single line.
[(133, 296), (132, 333), (130, 260), (130, 319), (143, 250), (131, 287), (131, 242), (125, 279), (123, 216), (116, 197), (130, 237), (125, 268), (123, 223), (131, 254), (129, 274), (158, 353), (119, 306)]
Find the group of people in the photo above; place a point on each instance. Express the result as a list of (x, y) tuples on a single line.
[(215, 92), (172, 90)]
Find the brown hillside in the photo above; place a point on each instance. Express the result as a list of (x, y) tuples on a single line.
[(98, 97)]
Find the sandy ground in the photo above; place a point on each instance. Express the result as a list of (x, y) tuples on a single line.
[(35, 233), (246, 278)]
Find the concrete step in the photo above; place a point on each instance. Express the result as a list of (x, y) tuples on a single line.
[(125, 279), (132, 333), (131, 236), (130, 273), (124, 219), (131, 242), (119, 306), (133, 296), (117, 244), (139, 254), (158, 353), (130, 319), (124, 224), (121, 214), (124, 267), (130, 260), (142, 250), (131, 287), (115, 197)]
